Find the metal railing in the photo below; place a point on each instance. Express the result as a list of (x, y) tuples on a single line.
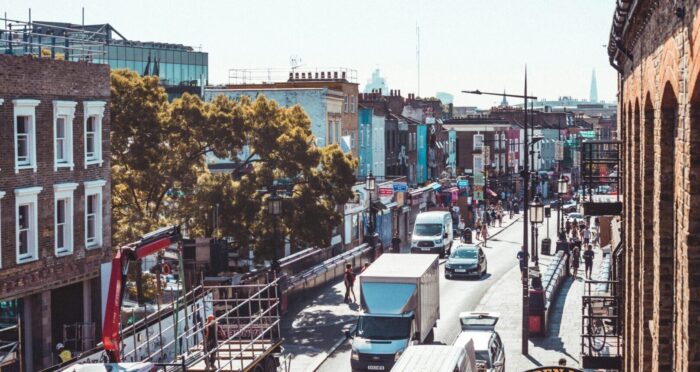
[(600, 326), (9, 345), (50, 41)]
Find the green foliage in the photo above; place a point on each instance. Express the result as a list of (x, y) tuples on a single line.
[(159, 175)]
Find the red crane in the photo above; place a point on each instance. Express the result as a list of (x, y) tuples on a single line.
[(147, 245)]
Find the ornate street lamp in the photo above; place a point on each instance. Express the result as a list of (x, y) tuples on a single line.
[(536, 217), (274, 208), (370, 185), (562, 189)]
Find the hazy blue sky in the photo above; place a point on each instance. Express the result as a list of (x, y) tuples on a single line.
[(465, 44)]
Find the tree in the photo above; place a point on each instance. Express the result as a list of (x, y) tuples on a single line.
[(159, 173)]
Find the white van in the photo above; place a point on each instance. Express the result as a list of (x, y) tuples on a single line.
[(435, 358), (432, 233)]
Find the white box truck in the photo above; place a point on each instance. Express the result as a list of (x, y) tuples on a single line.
[(432, 233), (400, 299)]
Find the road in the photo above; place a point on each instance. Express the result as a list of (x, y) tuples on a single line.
[(456, 295)]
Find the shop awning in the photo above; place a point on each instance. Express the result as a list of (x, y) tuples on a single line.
[(491, 193), (435, 186)]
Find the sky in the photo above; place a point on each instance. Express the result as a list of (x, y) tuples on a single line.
[(464, 44)]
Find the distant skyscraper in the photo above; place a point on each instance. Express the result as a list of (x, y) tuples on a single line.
[(594, 89), (504, 102), (376, 82)]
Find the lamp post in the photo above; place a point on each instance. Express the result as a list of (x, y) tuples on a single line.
[(526, 182), (370, 184), (274, 208), (562, 188), (536, 217)]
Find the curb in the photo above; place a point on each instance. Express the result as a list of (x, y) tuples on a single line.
[(316, 364)]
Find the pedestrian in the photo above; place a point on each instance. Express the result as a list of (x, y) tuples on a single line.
[(478, 228), (484, 233), (500, 219), (212, 332), (588, 261), (364, 267), (568, 227), (575, 260), (493, 217), (487, 217), (522, 257), (349, 281), (63, 354), (396, 243), (586, 233)]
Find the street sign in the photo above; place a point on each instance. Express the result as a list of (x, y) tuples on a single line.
[(462, 184), (478, 179), (386, 191), (400, 187)]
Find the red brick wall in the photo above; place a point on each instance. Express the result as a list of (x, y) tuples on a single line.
[(46, 81)]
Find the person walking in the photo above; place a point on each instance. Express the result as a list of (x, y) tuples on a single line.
[(575, 260), (493, 218), (500, 219), (211, 332), (522, 257), (349, 281), (588, 261), (586, 234), (396, 243), (477, 227), (484, 234)]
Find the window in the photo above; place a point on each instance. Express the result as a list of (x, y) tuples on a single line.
[(345, 103), (94, 110), (63, 218), (478, 164), (503, 140), (478, 141), (2, 194), (26, 224), (93, 213), (331, 132), (25, 134), (352, 104), (63, 112), (352, 139)]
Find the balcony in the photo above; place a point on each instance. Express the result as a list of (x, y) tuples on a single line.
[(600, 167), (601, 346)]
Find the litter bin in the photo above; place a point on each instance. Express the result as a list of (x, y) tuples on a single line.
[(546, 246), (536, 319)]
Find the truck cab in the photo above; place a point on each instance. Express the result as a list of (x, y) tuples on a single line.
[(432, 233)]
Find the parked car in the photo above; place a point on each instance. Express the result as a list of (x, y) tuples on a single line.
[(488, 347), (576, 217), (466, 260)]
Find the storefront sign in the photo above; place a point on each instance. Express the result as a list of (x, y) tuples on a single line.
[(400, 187), (478, 192), (400, 198), (478, 179), (386, 191), (462, 184)]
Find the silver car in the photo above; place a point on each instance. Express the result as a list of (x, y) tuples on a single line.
[(488, 347)]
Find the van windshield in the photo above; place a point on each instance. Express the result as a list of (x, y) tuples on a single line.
[(483, 355), (383, 328), (432, 229)]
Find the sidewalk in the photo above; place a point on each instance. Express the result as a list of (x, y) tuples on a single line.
[(563, 330), (315, 324)]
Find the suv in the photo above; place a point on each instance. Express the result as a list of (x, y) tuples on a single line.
[(488, 347)]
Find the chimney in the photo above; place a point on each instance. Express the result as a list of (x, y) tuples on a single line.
[(399, 94), (343, 75), (330, 76), (323, 75), (296, 75), (291, 76), (380, 91), (335, 74), (316, 75), (303, 75)]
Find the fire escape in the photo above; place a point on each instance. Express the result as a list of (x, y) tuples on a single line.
[(601, 311)]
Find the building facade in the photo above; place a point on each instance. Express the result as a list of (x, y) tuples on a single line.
[(654, 46), (54, 199)]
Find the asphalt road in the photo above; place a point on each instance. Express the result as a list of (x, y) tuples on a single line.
[(456, 295)]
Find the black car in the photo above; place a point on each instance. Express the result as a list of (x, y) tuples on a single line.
[(466, 260)]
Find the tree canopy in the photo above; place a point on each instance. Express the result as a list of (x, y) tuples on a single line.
[(160, 175)]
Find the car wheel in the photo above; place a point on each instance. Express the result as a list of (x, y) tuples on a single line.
[(486, 268)]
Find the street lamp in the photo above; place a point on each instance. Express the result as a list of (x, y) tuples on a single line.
[(562, 188), (370, 185), (536, 217), (274, 208)]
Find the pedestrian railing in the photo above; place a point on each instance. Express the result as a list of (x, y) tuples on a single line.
[(552, 277), (600, 327)]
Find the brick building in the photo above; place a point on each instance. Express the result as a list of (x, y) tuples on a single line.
[(654, 46), (54, 199)]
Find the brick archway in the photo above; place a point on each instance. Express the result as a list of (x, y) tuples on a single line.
[(665, 229), (693, 237)]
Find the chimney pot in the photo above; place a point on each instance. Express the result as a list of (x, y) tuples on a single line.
[(335, 74), (323, 75), (303, 75), (343, 74), (296, 75), (380, 91), (291, 75)]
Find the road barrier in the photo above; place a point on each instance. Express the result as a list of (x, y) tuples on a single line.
[(541, 299)]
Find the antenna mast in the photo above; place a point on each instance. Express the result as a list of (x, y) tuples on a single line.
[(418, 54)]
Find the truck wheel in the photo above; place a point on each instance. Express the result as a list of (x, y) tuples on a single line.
[(269, 365)]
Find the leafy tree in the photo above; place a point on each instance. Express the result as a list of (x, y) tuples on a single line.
[(159, 174)]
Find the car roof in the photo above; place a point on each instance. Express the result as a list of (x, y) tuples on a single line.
[(465, 246), (481, 339)]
